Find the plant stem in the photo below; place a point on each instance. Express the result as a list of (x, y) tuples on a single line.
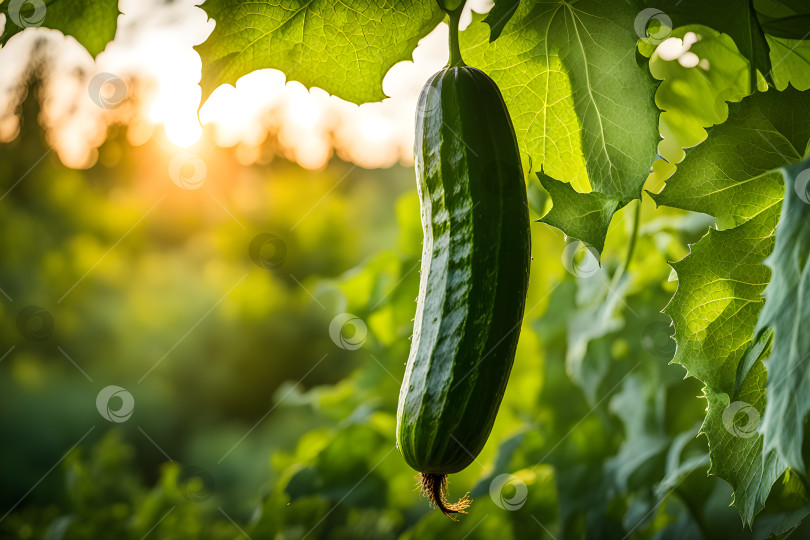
[(634, 235), (455, 15), (630, 248)]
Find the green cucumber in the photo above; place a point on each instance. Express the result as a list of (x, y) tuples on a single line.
[(475, 274)]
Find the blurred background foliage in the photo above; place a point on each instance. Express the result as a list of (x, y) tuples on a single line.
[(251, 421)]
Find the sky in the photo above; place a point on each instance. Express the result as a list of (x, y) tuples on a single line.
[(152, 59)]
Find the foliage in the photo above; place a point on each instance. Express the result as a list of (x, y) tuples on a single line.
[(786, 306), (582, 108), (92, 23), (344, 48), (721, 282), (499, 15), (599, 435)]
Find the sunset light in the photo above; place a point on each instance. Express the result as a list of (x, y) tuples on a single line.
[(252, 286), (306, 125)]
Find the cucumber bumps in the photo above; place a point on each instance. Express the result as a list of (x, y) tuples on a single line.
[(475, 273)]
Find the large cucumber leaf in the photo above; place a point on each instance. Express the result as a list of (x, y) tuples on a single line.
[(346, 48), (582, 107), (737, 18), (747, 22), (693, 98), (91, 22), (720, 285), (714, 311), (735, 177)]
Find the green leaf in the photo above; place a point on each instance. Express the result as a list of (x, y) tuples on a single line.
[(714, 312), (719, 298), (784, 18), (772, 525), (786, 311), (737, 18), (736, 450), (91, 22), (787, 508), (694, 98), (754, 26), (720, 283), (337, 468), (584, 216), (499, 15), (581, 105), (757, 349), (345, 48), (732, 177), (791, 62), (644, 438), (793, 27)]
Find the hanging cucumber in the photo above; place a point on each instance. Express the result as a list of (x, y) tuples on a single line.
[(475, 273)]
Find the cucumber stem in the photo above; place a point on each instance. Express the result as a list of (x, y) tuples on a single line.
[(455, 16), (455, 51), (434, 487)]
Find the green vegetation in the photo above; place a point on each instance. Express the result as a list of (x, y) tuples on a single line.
[(257, 414)]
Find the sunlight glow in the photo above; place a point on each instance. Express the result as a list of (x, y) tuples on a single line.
[(153, 64), (678, 49)]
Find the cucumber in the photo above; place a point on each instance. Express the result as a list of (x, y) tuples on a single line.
[(475, 274)]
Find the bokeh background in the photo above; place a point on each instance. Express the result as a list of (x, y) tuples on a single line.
[(245, 281)]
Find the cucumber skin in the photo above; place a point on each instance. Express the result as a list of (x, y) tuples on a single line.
[(475, 271)]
